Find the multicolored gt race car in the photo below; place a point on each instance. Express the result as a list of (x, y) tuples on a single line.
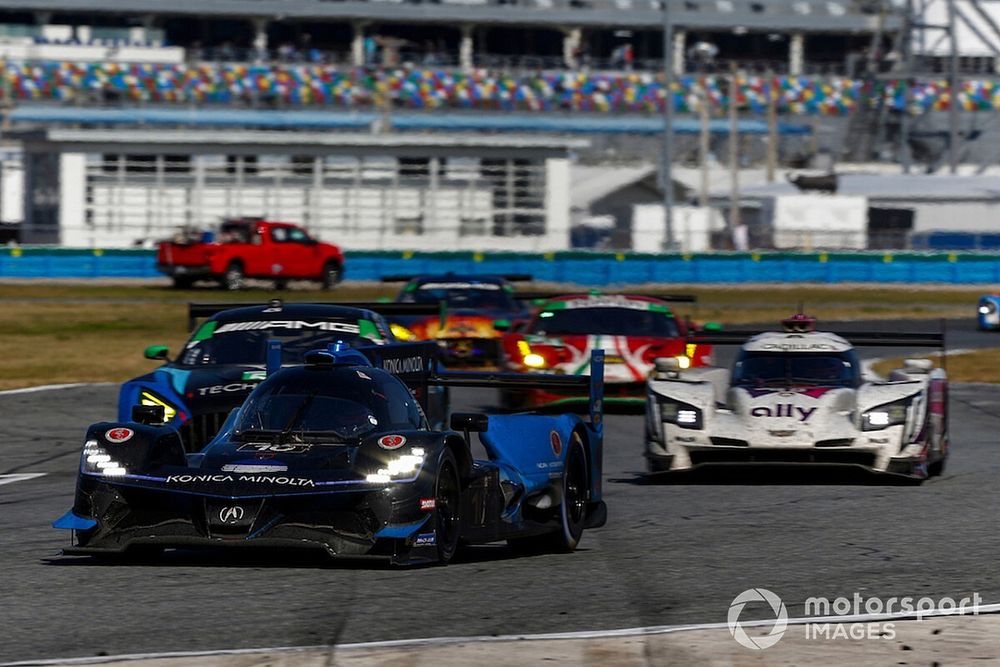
[(226, 356), (988, 312), (633, 329), (797, 396), (336, 455), (464, 329)]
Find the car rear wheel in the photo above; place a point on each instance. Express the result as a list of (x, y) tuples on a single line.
[(234, 277), (572, 511), (183, 282), (936, 469), (447, 507), (331, 275)]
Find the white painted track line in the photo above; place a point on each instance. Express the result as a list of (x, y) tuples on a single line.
[(482, 639), (53, 387), (19, 477)]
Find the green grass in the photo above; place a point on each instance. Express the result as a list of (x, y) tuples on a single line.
[(80, 332)]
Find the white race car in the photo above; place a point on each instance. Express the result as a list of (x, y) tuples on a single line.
[(797, 396)]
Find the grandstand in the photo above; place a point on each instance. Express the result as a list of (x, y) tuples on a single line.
[(787, 35)]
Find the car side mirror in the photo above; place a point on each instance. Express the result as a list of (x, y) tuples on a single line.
[(470, 422), (917, 366), (158, 352), (153, 415), (501, 325), (667, 368)]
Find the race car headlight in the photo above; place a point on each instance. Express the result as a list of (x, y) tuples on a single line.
[(534, 361), (684, 415), (683, 362), (96, 460), (149, 398), (401, 332), (884, 416), (400, 467), (529, 358)]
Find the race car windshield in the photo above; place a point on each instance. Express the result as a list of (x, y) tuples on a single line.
[(487, 296), (294, 415), (243, 347), (605, 322), (301, 404), (764, 369)]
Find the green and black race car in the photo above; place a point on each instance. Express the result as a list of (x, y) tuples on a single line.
[(227, 356)]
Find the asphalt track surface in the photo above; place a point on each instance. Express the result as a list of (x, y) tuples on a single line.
[(671, 553)]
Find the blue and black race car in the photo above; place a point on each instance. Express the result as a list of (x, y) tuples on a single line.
[(988, 312), (470, 306), (226, 355), (336, 455)]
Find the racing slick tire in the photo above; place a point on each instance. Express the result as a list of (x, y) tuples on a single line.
[(447, 507), (573, 508), (234, 277), (332, 273), (657, 464), (936, 469), (572, 511)]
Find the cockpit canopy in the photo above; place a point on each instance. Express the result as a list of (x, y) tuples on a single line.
[(342, 403), (783, 369)]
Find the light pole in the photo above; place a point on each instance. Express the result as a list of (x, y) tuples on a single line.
[(667, 145)]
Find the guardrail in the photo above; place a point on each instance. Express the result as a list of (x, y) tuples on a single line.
[(584, 268)]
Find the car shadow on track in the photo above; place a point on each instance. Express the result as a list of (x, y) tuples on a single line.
[(781, 475), (267, 558)]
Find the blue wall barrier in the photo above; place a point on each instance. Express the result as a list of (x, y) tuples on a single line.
[(399, 120), (595, 269)]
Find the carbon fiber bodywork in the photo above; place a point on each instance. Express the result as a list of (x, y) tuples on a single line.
[(384, 492)]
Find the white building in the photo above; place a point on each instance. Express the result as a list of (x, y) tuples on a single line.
[(108, 188)]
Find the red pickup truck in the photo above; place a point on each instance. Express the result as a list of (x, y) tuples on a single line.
[(250, 248)]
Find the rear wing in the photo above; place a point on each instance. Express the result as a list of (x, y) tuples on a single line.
[(417, 365), (856, 338), (198, 311), (593, 384), (509, 277), (662, 296)]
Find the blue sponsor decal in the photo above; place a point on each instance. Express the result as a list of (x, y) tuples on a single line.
[(426, 540)]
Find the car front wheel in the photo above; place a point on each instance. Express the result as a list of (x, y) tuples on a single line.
[(447, 507)]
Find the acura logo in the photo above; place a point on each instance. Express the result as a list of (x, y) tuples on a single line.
[(231, 515)]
